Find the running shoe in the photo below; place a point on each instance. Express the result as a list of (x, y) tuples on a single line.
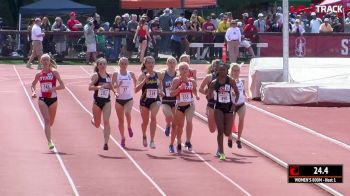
[(188, 145), (122, 143), (171, 149), (179, 148), (130, 132), (229, 143), (234, 129), (217, 153), (105, 147), (239, 145), (167, 131), (144, 141), (51, 145), (222, 157), (152, 145)]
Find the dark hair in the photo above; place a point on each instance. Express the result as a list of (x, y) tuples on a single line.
[(143, 64)]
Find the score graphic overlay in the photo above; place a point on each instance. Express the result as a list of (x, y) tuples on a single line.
[(315, 173)]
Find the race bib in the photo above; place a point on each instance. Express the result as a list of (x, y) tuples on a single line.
[(152, 93), (103, 93), (224, 97), (46, 87), (167, 92), (185, 97)]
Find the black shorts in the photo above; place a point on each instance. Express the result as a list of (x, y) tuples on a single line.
[(238, 107), (122, 102), (227, 109), (101, 103), (48, 101), (141, 39), (183, 108), (148, 102), (211, 104), (169, 103)]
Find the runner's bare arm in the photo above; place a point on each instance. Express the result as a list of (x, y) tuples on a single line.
[(211, 90), (195, 89), (235, 89), (61, 86), (36, 79), (204, 83), (134, 80), (92, 86), (174, 90), (140, 82)]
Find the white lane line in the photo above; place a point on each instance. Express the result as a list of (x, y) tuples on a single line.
[(208, 164), (70, 180), (200, 157), (294, 124), (119, 146), (273, 158)]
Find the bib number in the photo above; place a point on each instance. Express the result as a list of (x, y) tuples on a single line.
[(46, 87), (152, 93), (224, 97), (185, 97), (103, 93)]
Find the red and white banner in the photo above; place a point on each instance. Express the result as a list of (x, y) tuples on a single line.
[(309, 45)]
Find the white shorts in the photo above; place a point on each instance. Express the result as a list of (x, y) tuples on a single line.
[(91, 47), (245, 43)]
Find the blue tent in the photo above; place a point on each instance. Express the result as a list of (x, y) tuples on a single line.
[(56, 7)]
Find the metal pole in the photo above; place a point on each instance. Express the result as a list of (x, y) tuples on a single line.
[(285, 41), (19, 28)]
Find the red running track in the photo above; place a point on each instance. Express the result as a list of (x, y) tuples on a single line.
[(113, 172)]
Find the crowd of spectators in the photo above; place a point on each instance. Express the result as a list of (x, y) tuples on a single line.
[(140, 32)]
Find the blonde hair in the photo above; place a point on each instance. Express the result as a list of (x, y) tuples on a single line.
[(123, 59), (234, 66), (52, 61), (171, 58), (98, 61), (182, 64), (181, 59)]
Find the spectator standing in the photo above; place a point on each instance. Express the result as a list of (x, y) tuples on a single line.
[(131, 27), (59, 40), (117, 27), (347, 23), (37, 46), (233, 38), (142, 33), (326, 27), (214, 20), (176, 39), (250, 31), (260, 23), (165, 24), (208, 37), (29, 46), (156, 39), (298, 28), (337, 26), (90, 41), (220, 37), (315, 23), (47, 40), (125, 20), (73, 25), (100, 43)]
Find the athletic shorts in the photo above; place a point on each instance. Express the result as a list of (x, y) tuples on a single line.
[(48, 101), (101, 103)]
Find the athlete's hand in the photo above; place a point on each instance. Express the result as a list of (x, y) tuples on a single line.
[(120, 83), (161, 93), (33, 95), (106, 86), (183, 86), (116, 94)]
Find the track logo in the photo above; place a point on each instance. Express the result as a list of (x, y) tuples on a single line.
[(294, 170), (300, 46)]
